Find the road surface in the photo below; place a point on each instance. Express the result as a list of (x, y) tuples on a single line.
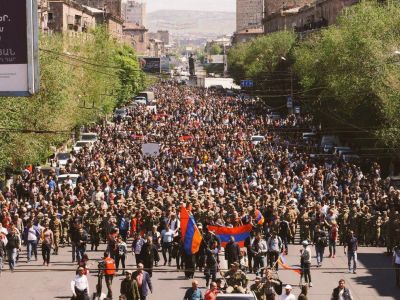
[(33, 281)]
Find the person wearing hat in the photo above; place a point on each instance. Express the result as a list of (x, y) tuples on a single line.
[(305, 263), (129, 287), (287, 295), (236, 279), (258, 289), (80, 286)]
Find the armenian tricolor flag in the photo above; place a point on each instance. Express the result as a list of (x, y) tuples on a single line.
[(259, 217), (240, 233), (284, 265), (191, 235)]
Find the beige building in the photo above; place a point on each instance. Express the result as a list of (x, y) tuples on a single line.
[(162, 35), (113, 7), (137, 38), (249, 14), (304, 19), (68, 17), (246, 35), (134, 12)]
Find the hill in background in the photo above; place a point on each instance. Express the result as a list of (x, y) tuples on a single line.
[(196, 23)]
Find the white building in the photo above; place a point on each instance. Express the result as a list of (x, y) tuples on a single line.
[(134, 11), (249, 14)]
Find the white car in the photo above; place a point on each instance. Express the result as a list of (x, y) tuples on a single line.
[(62, 158), (256, 139), (71, 178), (89, 136), (236, 296), (80, 144)]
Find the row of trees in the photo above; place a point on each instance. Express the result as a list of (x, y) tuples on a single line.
[(349, 72), (82, 80)]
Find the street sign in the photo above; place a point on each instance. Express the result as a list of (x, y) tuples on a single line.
[(246, 83), (19, 54), (289, 102), (297, 109)]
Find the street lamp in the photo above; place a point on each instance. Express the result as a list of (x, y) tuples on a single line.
[(290, 109)]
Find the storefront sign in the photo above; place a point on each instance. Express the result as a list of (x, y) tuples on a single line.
[(19, 74)]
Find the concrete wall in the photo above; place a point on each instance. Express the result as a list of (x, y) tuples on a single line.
[(249, 14), (323, 12), (67, 17)]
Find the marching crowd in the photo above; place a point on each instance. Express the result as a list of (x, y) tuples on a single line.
[(208, 163)]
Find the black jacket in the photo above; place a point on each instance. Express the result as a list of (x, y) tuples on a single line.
[(232, 252), (346, 294)]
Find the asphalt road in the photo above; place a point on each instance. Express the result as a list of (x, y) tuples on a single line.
[(374, 279)]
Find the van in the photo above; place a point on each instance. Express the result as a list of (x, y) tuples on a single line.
[(330, 140), (148, 95)]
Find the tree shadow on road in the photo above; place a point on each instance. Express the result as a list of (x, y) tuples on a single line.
[(382, 276)]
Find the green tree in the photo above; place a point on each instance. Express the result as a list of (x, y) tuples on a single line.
[(350, 73), (253, 59), (216, 49), (82, 80)]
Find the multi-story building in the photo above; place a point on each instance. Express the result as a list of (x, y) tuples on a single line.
[(275, 6), (137, 37), (304, 19), (249, 14), (69, 17), (162, 35), (113, 7), (134, 12)]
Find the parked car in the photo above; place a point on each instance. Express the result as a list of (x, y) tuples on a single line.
[(62, 158), (80, 144), (73, 178), (120, 114), (256, 139), (330, 139), (341, 149), (309, 135), (89, 136), (395, 182)]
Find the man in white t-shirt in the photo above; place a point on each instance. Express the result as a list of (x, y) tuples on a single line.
[(287, 295)]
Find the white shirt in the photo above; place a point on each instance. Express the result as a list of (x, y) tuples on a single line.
[(396, 255), (32, 234), (81, 283), (287, 297)]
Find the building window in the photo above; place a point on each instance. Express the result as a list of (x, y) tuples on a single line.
[(50, 16)]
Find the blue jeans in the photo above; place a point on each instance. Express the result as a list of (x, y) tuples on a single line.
[(352, 256), (31, 249), (1, 264), (79, 253), (320, 254), (12, 256), (258, 264)]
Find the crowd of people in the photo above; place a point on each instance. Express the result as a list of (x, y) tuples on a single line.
[(208, 163)]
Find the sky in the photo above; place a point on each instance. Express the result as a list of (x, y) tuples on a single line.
[(204, 5)]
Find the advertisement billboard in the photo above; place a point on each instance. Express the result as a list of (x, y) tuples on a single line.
[(19, 74), (151, 64)]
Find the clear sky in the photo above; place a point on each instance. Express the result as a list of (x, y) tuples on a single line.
[(205, 5)]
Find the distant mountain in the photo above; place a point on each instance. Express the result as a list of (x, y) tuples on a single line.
[(199, 23)]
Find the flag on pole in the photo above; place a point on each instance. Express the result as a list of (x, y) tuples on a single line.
[(240, 233), (191, 235), (259, 217), (284, 265)]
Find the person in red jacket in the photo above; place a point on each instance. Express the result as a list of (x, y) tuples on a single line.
[(109, 272)]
